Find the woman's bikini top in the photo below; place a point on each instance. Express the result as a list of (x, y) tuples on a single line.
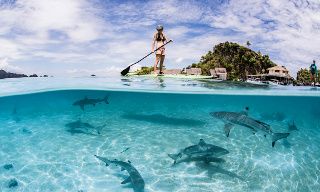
[(160, 37)]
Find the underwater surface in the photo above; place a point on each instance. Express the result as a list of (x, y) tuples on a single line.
[(48, 141)]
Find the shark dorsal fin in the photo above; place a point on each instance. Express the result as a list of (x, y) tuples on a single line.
[(127, 180), (202, 142)]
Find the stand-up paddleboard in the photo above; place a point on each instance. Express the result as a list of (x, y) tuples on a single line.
[(178, 76)]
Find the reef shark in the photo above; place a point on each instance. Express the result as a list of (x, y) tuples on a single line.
[(87, 101), (82, 127), (134, 176), (200, 152), (242, 119)]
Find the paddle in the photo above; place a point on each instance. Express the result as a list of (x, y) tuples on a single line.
[(126, 70)]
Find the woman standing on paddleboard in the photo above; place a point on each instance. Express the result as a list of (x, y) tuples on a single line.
[(158, 40)]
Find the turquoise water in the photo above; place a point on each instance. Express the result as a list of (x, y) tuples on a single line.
[(46, 157)]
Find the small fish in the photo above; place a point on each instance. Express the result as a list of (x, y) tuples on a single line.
[(125, 150)]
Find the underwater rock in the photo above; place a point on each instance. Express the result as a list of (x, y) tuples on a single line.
[(8, 166), (13, 183)]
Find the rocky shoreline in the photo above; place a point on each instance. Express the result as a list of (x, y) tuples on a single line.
[(5, 75)]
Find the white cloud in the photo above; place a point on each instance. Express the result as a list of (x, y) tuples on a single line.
[(4, 65), (173, 11), (73, 18), (9, 49), (287, 28), (178, 32)]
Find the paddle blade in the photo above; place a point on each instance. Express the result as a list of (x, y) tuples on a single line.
[(125, 71)]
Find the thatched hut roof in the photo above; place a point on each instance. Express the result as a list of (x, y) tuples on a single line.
[(280, 68)]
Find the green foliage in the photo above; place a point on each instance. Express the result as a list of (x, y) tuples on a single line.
[(304, 77), (238, 60), (145, 70)]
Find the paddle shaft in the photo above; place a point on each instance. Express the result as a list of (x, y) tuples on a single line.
[(151, 53)]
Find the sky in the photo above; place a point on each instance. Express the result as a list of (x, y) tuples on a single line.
[(102, 37)]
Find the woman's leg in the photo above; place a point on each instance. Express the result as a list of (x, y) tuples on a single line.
[(161, 62), (156, 63)]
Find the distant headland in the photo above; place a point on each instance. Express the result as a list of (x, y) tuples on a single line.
[(5, 75)]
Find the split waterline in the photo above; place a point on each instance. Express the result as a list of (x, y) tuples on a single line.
[(144, 121), (149, 84)]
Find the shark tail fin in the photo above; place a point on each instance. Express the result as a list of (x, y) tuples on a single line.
[(174, 157), (127, 180), (278, 136), (105, 99), (227, 128), (105, 160)]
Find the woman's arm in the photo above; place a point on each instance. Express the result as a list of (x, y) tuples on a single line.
[(153, 42)]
